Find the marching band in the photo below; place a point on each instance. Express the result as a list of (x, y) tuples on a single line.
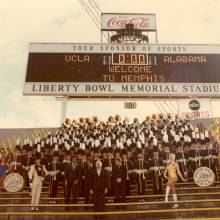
[(92, 159)]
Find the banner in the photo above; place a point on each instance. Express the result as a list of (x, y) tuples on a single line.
[(195, 108), (142, 90), (115, 21)]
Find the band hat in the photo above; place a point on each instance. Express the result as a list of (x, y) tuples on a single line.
[(42, 143), (56, 148), (82, 146), (206, 133), (202, 136), (38, 148), (155, 141), (17, 141)]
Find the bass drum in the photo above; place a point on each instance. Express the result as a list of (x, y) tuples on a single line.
[(13, 182), (204, 177)]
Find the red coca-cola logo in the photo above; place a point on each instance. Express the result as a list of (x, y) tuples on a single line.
[(139, 22)]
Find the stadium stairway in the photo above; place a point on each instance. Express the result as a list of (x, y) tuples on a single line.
[(194, 203)]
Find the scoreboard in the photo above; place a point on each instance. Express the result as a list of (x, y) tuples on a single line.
[(110, 70)]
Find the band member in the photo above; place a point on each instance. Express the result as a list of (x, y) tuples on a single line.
[(66, 161), (87, 172), (96, 155), (119, 175), (194, 158), (166, 154), (210, 157), (157, 169), (71, 177), (27, 161), (108, 166), (36, 176), (129, 166), (170, 174), (181, 159), (82, 183), (140, 168), (99, 186), (3, 170), (16, 165), (54, 167)]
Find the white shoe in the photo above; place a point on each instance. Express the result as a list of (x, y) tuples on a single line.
[(32, 208), (176, 206), (37, 209)]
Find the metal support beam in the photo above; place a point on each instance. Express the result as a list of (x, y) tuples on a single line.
[(64, 108)]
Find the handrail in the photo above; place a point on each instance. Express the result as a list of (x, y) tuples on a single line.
[(134, 191), (109, 213), (112, 204), (112, 197)]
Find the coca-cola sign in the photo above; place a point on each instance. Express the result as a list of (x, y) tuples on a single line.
[(145, 22)]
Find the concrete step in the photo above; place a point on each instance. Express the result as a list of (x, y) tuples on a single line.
[(122, 214)]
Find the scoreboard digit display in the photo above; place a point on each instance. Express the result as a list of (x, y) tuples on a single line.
[(122, 70), (130, 59)]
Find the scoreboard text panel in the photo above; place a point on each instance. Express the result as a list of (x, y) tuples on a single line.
[(121, 65)]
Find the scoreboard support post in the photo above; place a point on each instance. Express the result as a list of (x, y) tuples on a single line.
[(64, 108)]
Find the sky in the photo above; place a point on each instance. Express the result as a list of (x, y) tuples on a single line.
[(24, 21)]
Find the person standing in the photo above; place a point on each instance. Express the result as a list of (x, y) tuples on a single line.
[(54, 167), (140, 169), (88, 175), (99, 186), (129, 167), (157, 169), (36, 176), (119, 174), (71, 177), (194, 158), (3, 170), (181, 159), (108, 164), (210, 157), (170, 174)]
